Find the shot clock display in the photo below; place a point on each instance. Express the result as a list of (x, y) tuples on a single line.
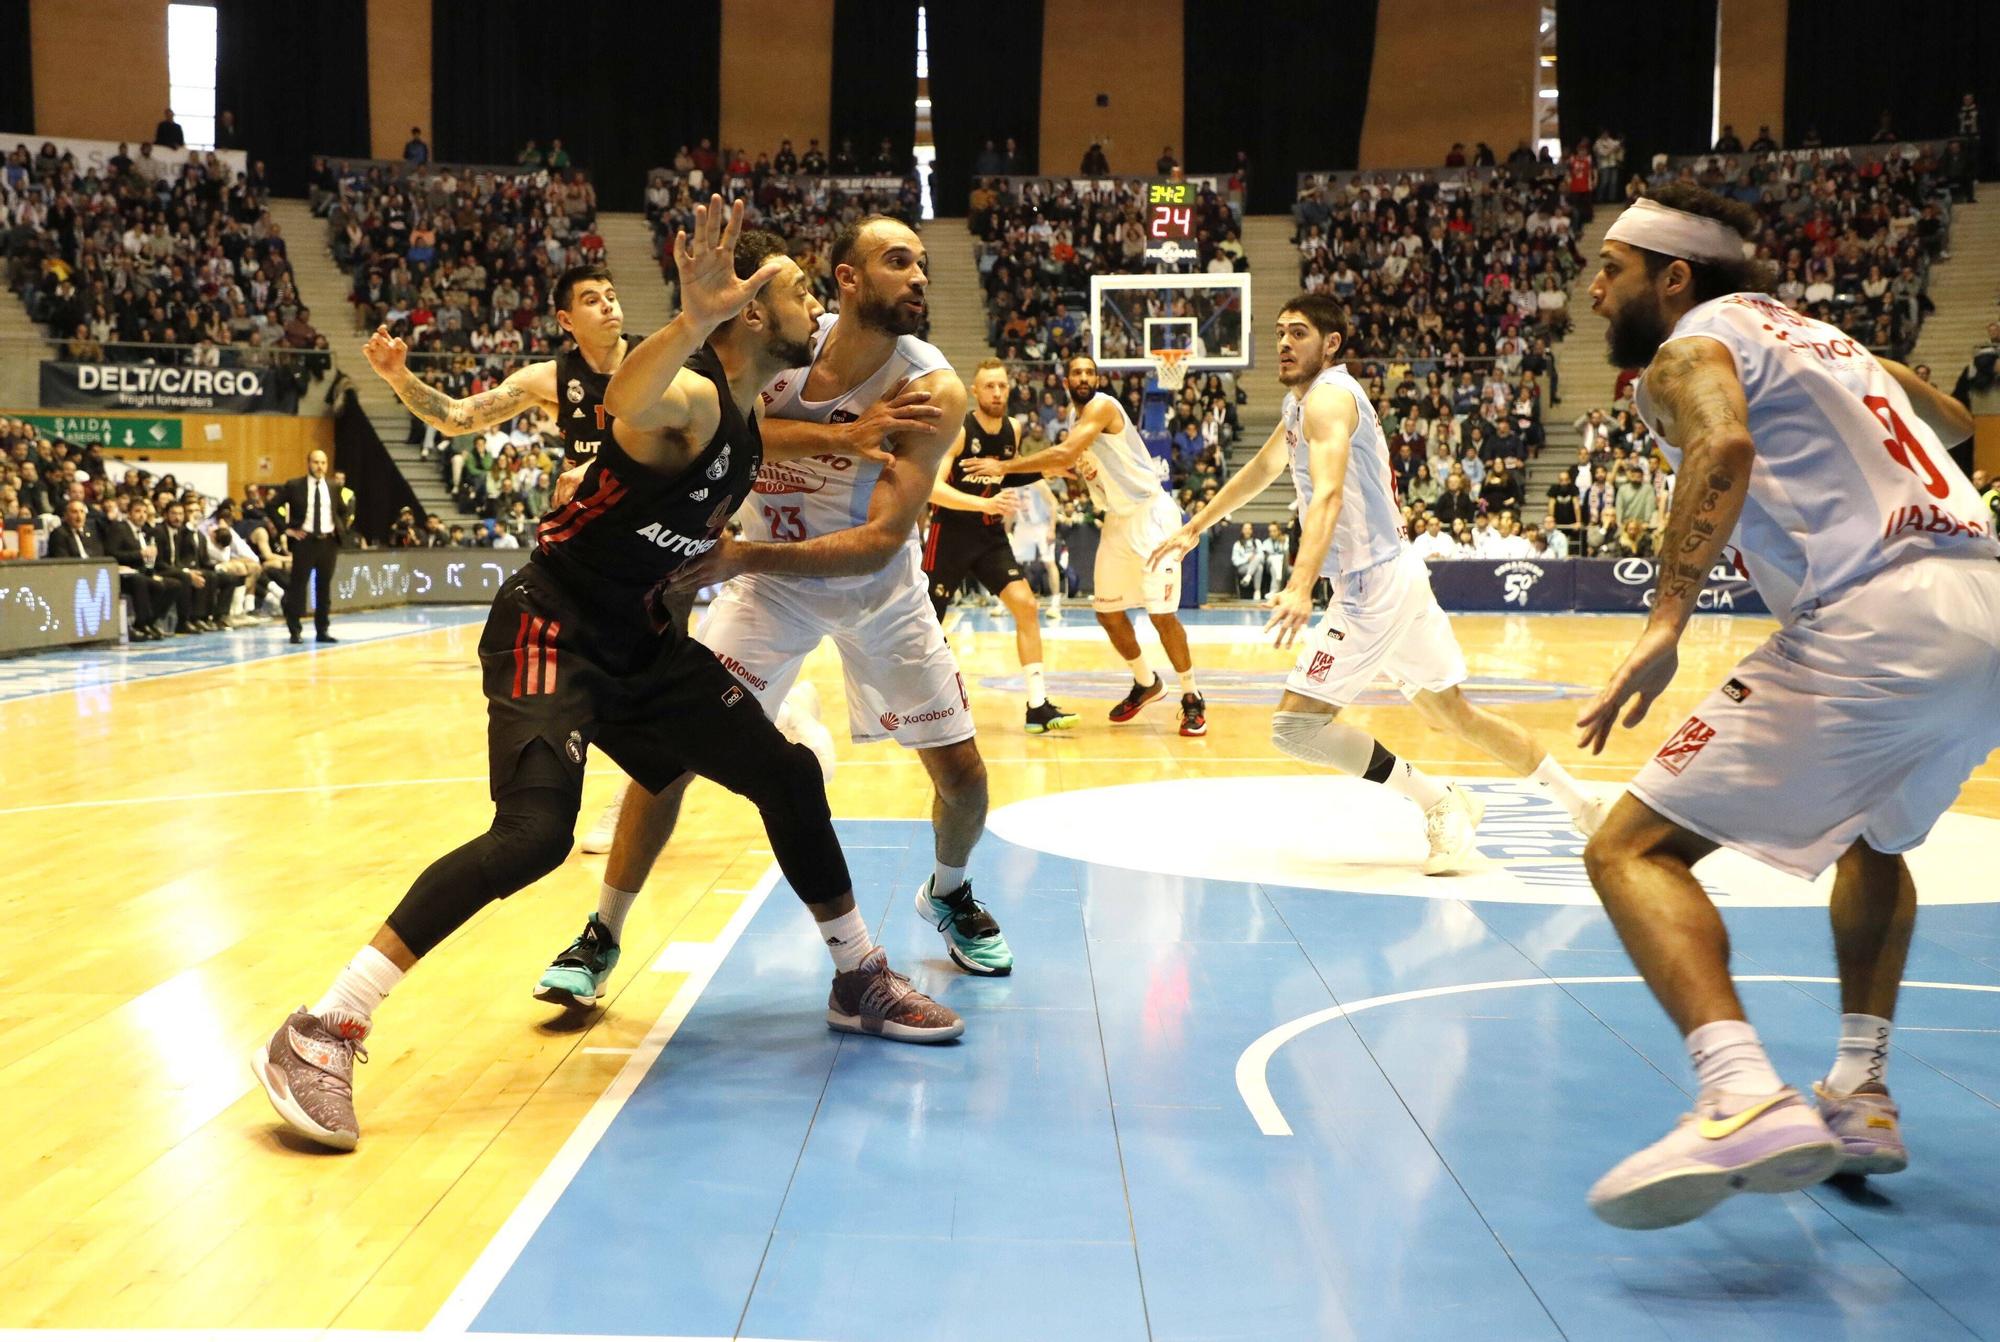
[(1169, 219)]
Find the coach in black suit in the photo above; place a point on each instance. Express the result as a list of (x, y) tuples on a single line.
[(77, 538), (316, 519)]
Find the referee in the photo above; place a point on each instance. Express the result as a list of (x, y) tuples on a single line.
[(316, 518)]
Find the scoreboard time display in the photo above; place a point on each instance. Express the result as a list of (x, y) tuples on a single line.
[(1169, 215)]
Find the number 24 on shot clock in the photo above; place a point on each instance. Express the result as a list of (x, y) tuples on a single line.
[(1169, 211)]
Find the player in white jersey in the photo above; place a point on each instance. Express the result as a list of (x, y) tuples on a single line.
[(1031, 530), (1384, 619), (1105, 451), (830, 551), (1838, 742)]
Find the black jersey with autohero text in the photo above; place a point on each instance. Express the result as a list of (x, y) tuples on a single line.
[(1001, 445), (629, 527)]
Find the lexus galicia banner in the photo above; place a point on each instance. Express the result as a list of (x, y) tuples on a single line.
[(145, 386), (1594, 585)]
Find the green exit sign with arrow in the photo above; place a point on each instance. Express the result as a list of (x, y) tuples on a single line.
[(121, 432)]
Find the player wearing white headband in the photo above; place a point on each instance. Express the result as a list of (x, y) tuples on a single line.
[(1839, 741)]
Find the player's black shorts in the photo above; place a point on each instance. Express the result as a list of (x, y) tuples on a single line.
[(568, 674), (955, 551)]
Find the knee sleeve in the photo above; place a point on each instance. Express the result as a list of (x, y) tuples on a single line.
[(530, 836), (791, 796), (1315, 738)]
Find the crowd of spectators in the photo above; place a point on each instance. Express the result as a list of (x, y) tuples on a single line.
[(141, 261), (1850, 234), (457, 261), (801, 197)]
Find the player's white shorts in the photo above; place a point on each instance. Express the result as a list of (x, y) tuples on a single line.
[(901, 679), (1032, 549), (1859, 720), (1386, 621), (1122, 580)]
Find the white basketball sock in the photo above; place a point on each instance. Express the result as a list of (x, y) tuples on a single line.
[(1555, 780), (1142, 674), (612, 906), (1187, 681), (1038, 684), (847, 938), (358, 989), (1728, 1057), (1407, 780), (1863, 1055), (945, 880)]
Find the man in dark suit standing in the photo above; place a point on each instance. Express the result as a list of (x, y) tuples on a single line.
[(316, 519)]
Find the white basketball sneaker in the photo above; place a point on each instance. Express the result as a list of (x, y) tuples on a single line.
[(798, 719), (1450, 827), (606, 829)]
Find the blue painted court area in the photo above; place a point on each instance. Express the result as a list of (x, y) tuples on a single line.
[(1085, 1163), (102, 666)]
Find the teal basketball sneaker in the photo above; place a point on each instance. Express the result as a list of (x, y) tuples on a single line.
[(576, 978), (970, 934)]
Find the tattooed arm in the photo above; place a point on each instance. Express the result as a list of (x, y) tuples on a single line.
[(1693, 382), (533, 385)]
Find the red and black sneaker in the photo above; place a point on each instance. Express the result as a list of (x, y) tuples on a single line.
[(1140, 695), (1194, 715)]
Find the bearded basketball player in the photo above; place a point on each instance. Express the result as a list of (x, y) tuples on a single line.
[(1839, 742), (830, 551), (577, 651)]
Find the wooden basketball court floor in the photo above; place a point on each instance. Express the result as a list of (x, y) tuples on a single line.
[(1252, 1078)]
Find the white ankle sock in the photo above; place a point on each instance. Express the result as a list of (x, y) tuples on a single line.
[(1038, 684), (1728, 1057), (612, 906), (1407, 780), (1187, 681), (1142, 674), (847, 938), (358, 989), (945, 880), (1863, 1054), (1555, 780)]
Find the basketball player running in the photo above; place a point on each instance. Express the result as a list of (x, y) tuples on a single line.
[(831, 552), (1385, 619), (1838, 742), (968, 537), (577, 650), (570, 387), (1105, 450)]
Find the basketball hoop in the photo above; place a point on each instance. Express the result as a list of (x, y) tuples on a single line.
[(1170, 367)]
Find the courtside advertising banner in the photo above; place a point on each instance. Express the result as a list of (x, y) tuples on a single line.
[(145, 386)]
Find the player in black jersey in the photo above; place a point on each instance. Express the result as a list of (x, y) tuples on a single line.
[(577, 651), (968, 535), (569, 387)]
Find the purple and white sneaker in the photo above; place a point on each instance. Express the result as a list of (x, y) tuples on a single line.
[(1730, 1144), (1870, 1129)]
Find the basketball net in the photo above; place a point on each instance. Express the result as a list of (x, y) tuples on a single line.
[(1170, 367)]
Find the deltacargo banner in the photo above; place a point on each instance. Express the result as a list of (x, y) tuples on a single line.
[(145, 386), (52, 603), (1600, 586)]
